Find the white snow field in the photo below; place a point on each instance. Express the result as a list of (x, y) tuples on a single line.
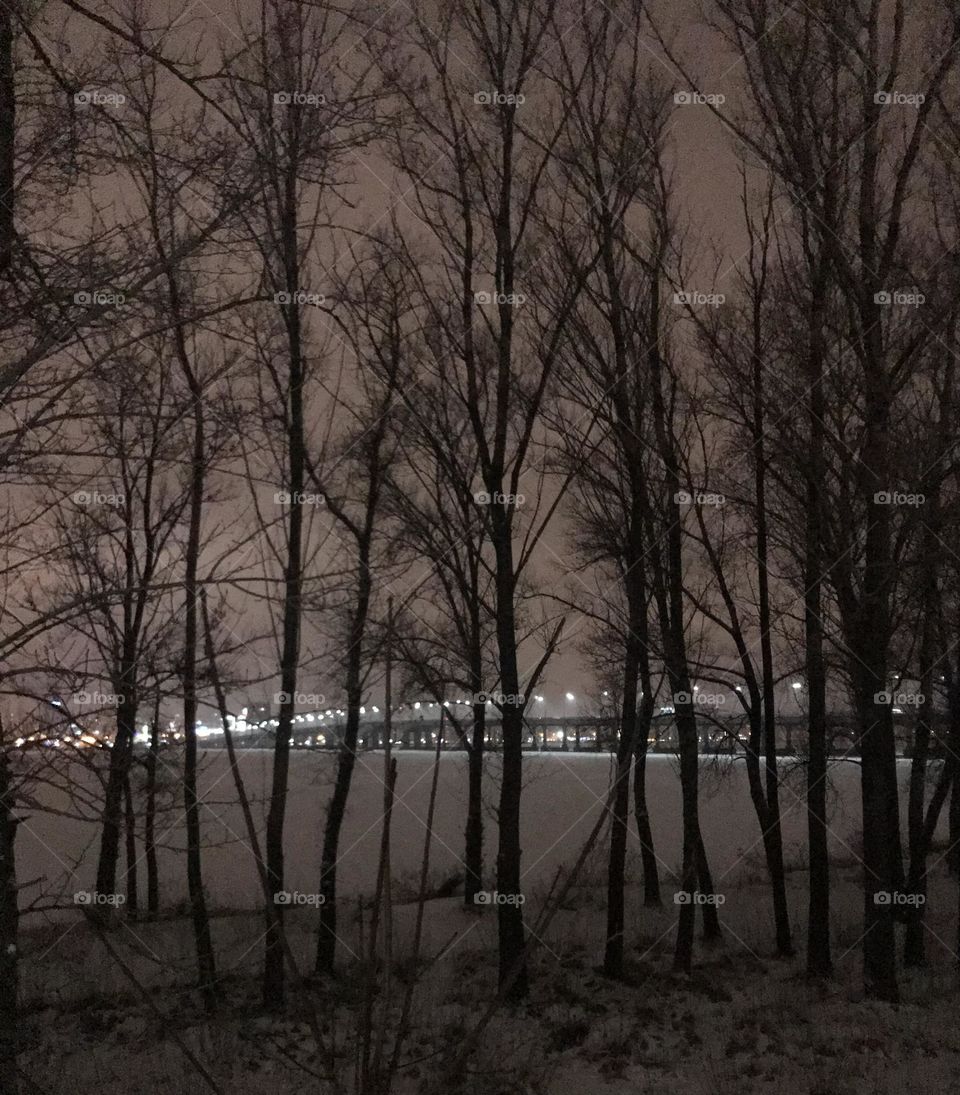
[(744, 1021)]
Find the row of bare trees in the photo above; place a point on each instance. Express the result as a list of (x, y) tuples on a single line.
[(364, 307)]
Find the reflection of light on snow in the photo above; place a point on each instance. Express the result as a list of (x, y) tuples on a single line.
[(204, 731)]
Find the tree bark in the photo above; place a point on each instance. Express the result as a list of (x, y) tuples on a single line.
[(119, 768), (509, 912), (711, 916), (206, 962), (273, 965), (130, 836), (626, 743), (8, 129), (346, 761), (648, 858), (819, 960), (150, 814), (473, 833), (9, 943)]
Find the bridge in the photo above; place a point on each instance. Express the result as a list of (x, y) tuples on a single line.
[(724, 734)]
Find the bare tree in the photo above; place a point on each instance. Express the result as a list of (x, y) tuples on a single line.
[(300, 109), (475, 159), (377, 314), (855, 166)]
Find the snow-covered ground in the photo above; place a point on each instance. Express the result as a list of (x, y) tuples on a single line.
[(743, 1023), (562, 795)]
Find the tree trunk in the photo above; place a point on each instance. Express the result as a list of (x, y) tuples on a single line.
[(8, 129), (206, 964), (616, 866), (273, 963), (346, 761), (668, 590), (919, 835), (772, 832), (711, 916), (819, 960), (868, 641), (120, 757), (917, 877), (648, 857), (473, 834), (150, 814), (9, 918), (512, 960), (130, 836), (626, 745)]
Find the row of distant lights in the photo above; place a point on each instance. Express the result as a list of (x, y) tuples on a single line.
[(417, 705)]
